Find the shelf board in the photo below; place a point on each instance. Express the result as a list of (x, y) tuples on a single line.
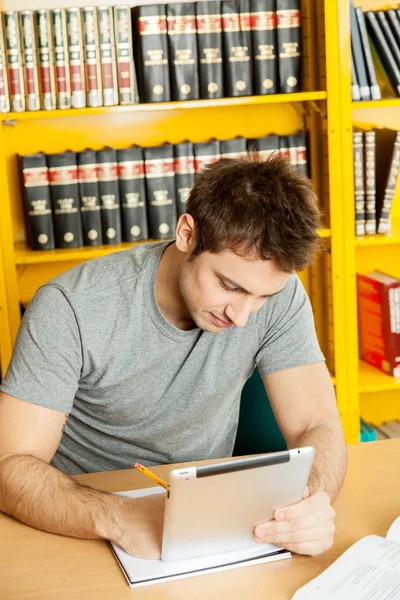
[(157, 106), (380, 240), (385, 102), (374, 380), (324, 233)]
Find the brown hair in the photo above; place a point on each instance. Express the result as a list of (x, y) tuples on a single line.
[(251, 204)]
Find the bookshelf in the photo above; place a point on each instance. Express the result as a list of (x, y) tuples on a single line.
[(317, 107)]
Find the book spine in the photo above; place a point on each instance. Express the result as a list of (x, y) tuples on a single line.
[(264, 44), (206, 153), (37, 202), (45, 56), (359, 191), (91, 53), (60, 50), (394, 23), (133, 194), (14, 61), (383, 50), (288, 23), (90, 198), (384, 218), (370, 184), (284, 150), (387, 32), (369, 63), (127, 86), (358, 55), (355, 88), (233, 148), (75, 57), (184, 174), (182, 51), (63, 178), (160, 191), (392, 329), (107, 172), (108, 59), (237, 47), (209, 44), (29, 61), (372, 345), (4, 93), (152, 53), (298, 152)]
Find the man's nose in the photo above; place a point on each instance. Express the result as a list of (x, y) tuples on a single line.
[(239, 311)]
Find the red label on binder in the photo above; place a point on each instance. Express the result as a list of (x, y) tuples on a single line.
[(107, 171), (15, 82), (152, 25), (76, 78), (184, 165), (45, 78), (288, 18), (60, 175), (92, 78), (263, 21), (61, 78), (209, 23), (30, 80), (131, 169), (35, 177)]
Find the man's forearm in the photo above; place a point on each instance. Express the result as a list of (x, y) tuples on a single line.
[(41, 496), (330, 462)]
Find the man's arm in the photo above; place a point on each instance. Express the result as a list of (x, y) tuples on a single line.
[(304, 405), (37, 494)]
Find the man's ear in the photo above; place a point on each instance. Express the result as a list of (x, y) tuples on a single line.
[(185, 234)]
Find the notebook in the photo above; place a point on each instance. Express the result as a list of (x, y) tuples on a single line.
[(140, 571)]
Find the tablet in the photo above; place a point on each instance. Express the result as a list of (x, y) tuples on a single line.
[(214, 508)]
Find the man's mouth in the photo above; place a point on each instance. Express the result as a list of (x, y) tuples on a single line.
[(221, 322)]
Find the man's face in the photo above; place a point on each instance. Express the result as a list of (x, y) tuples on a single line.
[(222, 290)]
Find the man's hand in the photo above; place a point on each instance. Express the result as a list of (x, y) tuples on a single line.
[(305, 528), (142, 526)]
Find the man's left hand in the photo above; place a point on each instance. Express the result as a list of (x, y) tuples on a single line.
[(305, 528)]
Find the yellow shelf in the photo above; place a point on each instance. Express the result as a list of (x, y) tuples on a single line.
[(376, 103), (374, 380), (188, 104), (380, 240), (324, 233)]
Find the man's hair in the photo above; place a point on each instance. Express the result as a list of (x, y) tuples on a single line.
[(256, 206)]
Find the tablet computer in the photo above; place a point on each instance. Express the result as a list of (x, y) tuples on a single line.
[(214, 508)]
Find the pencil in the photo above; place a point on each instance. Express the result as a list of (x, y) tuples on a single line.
[(152, 476)]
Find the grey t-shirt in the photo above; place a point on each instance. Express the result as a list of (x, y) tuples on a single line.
[(94, 345)]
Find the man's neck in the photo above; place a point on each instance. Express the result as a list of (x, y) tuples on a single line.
[(168, 295)]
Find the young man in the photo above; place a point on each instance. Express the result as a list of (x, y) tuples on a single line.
[(142, 356)]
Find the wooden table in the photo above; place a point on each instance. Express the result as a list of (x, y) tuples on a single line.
[(38, 565)]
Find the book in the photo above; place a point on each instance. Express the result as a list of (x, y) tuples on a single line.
[(236, 37), (234, 148), (184, 174), (91, 54), (355, 88), (383, 50), (369, 569), (14, 61), (284, 150), (264, 147), (150, 37), (63, 178), (37, 201), (358, 55), (387, 32), (160, 191), (182, 51), (75, 57), (133, 194), (264, 45), (387, 171), (369, 63), (288, 23), (45, 60), (359, 178), (209, 46), (61, 64), (298, 151), (4, 94), (108, 61), (206, 153), (107, 173), (394, 24), (370, 184), (140, 571), (90, 198), (378, 335), (126, 73), (29, 61)]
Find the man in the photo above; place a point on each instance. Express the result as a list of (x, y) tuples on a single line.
[(142, 356)]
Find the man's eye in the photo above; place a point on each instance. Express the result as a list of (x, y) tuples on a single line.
[(226, 287)]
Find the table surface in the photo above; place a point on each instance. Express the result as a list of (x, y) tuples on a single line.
[(38, 565)]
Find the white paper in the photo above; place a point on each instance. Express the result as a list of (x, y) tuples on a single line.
[(141, 571), (369, 570), (394, 531)]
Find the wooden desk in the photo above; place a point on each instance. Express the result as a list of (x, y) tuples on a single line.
[(37, 565)]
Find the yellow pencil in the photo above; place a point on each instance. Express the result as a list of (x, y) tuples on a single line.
[(152, 476)]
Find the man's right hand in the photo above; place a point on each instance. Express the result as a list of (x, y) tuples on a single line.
[(143, 520)]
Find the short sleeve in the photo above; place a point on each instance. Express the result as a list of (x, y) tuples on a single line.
[(289, 339), (46, 362)]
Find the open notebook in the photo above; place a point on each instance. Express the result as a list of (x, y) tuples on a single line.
[(368, 570), (140, 571)]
